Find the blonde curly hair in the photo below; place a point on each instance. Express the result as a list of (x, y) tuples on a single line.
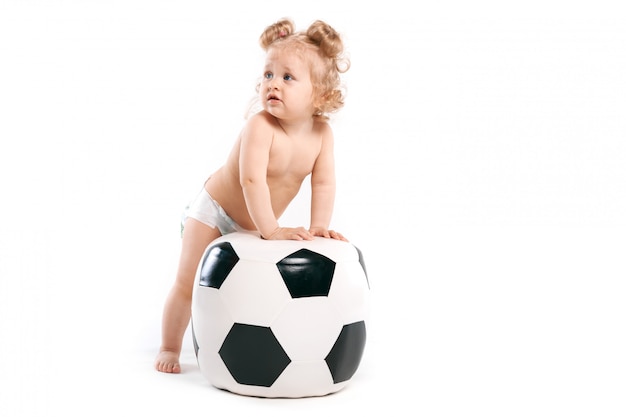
[(327, 62)]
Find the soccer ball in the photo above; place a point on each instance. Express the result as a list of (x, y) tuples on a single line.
[(279, 318)]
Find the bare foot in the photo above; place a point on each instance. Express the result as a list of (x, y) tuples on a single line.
[(167, 362)]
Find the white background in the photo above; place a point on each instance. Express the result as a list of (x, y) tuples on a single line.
[(481, 170)]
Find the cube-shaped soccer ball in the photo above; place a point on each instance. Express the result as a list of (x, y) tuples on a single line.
[(280, 318)]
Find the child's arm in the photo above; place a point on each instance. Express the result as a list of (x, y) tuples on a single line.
[(256, 141), (323, 189)]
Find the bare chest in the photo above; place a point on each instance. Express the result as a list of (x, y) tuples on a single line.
[(293, 158)]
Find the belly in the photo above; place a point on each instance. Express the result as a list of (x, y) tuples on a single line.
[(229, 194)]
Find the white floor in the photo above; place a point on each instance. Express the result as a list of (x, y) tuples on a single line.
[(484, 319), (503, 329)]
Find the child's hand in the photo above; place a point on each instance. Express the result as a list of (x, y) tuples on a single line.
[(291, 233), (331, 234)]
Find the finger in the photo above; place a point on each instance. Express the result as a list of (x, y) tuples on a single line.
[(337, 235), (293, 235), (321, 233)]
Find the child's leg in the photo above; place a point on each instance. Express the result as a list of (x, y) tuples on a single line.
[(177, 311)]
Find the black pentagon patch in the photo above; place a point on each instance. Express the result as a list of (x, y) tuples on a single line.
[(307, 273), (217, 264), (362, 262), (253, 356), (345, 356)]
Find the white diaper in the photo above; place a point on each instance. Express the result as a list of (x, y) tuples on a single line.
[(207, 211)]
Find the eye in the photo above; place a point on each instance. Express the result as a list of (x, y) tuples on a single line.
[(268, 75), (287, 77)]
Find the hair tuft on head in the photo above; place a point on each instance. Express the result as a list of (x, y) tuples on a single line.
[(281, 29)]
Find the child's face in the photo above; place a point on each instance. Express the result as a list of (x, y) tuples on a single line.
[(286, 90)]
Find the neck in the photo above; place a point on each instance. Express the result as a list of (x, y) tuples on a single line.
[(294, 128)]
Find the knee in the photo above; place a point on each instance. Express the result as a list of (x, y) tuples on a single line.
[(182, 290)]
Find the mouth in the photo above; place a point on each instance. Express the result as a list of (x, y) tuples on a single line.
[(272, 98)]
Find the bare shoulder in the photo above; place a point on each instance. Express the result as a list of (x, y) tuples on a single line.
[(261, 122), (324, 130)]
